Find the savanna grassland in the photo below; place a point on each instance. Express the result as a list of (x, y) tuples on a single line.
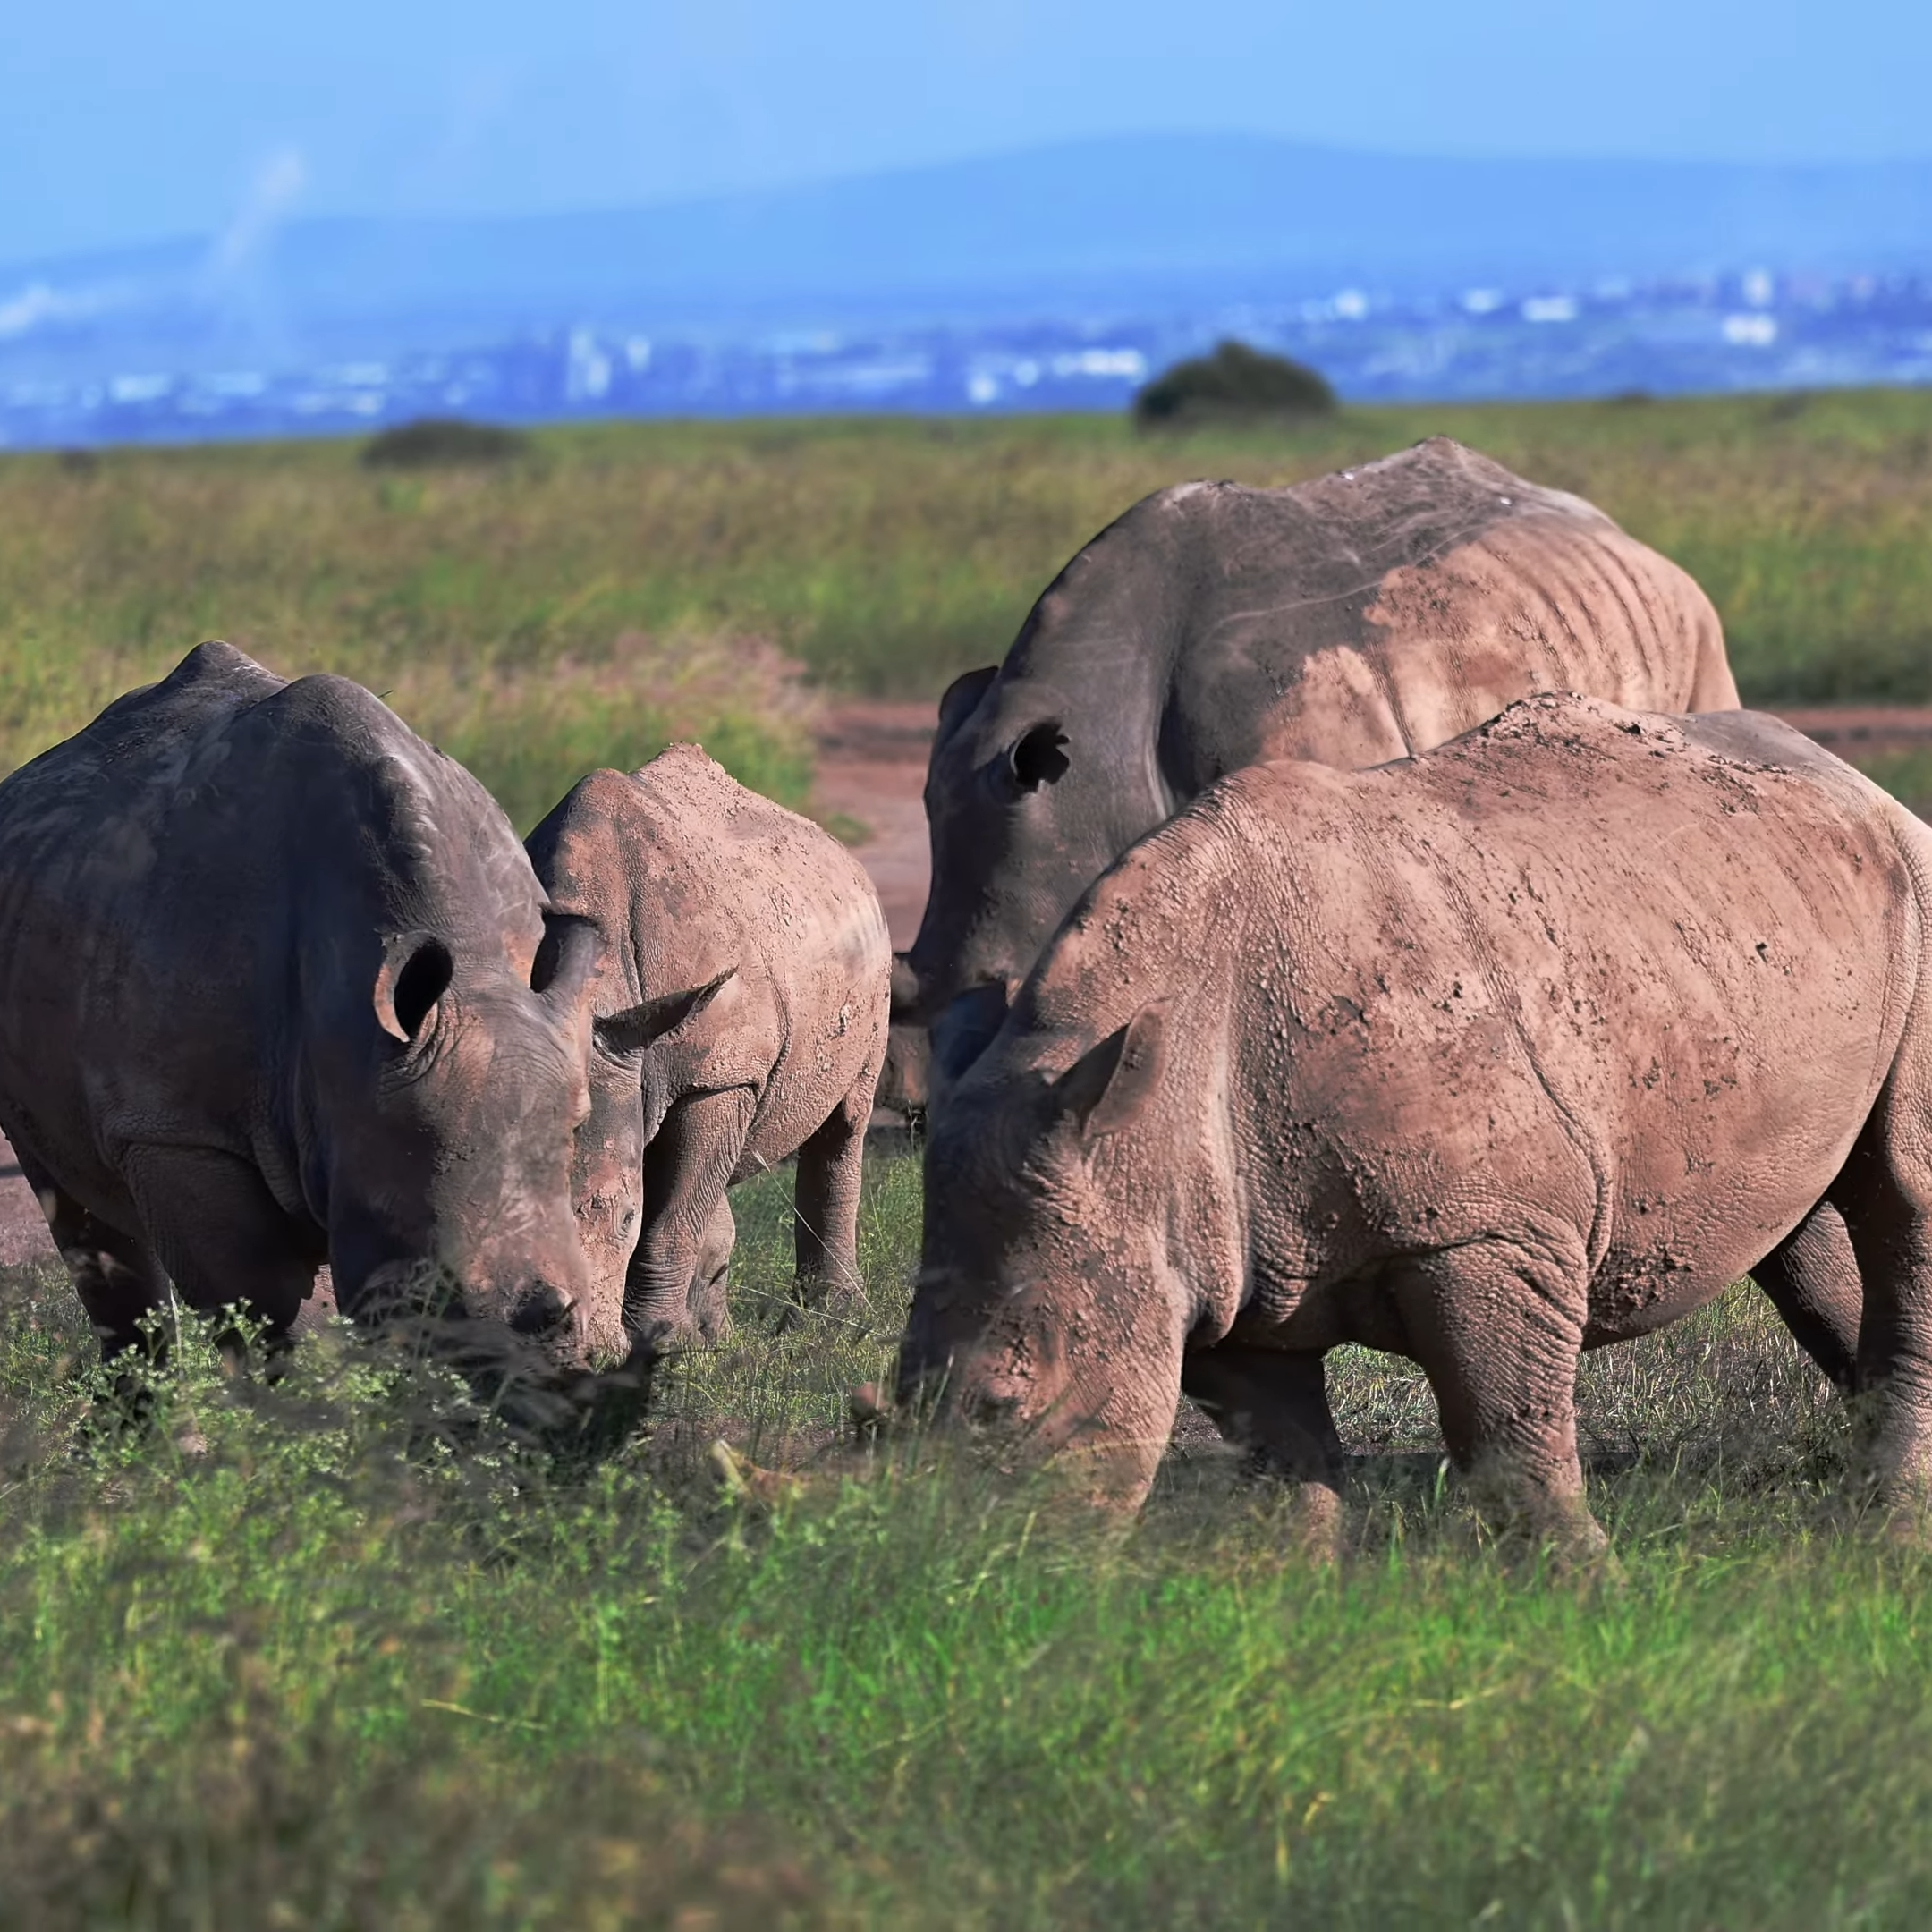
[(339, 1653), (627, 582), (335, 1653)]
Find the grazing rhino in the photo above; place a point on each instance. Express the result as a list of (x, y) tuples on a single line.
[(741, 1017), (1525, 1046), (1351, 620), (279, 989)]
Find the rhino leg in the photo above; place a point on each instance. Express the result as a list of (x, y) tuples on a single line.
[(1885, 1196), (830, 1166), (224, 1238), (116, 1277), (713, 1276), (1812, 1278), (687, 1168), (1498, 1331), (1275, 1407)]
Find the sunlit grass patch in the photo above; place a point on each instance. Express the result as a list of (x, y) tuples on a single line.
[(296, 1656), (886, 556), (528, 733)]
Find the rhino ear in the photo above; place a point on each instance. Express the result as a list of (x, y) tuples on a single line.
[(566, 957), (959, 699), (1039, 756), (414, 975), (1111, 1084), (642, 1026)]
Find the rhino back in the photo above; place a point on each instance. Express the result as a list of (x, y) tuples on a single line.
[(692, 874), (1380, 610)]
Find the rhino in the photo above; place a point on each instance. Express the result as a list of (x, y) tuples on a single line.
[(1350, 621), (280, 990), (1525, 1046), (741, 1011)]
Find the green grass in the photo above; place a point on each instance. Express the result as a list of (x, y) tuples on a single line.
[(294, 1659), (884, 556)]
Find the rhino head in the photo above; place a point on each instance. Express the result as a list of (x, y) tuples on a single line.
[(1048, 1309), (1029, 797), (448, 1113), (634, 1072)]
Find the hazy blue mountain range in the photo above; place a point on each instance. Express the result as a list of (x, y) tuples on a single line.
[(1158, 239), (1093, 219)]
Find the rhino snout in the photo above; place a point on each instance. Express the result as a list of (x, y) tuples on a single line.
[(541, 1311)]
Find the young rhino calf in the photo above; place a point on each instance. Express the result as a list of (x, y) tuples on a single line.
[(740, 1017), (1526, 1046)]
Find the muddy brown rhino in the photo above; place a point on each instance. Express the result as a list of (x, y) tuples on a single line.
[(1350, 620), (279, 988), (740, 1016), (1526, 1046)]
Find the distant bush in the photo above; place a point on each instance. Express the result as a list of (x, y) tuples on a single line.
[(433, 440), (1235, 381)]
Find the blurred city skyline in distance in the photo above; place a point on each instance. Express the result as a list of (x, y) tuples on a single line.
[(224, 219), (137, 121)]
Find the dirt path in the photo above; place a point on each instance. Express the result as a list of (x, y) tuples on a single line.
[(23, 1233), (872, 769)]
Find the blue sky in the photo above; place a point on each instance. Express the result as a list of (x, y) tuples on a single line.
[(145, 119)]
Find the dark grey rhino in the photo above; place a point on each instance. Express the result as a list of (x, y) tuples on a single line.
[(279, 989)]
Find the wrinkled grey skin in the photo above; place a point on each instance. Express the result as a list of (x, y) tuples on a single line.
[(267, 1002), (1441, 1060), (740, 1016), (1351, 620)]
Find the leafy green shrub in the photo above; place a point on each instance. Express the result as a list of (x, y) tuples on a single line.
[(1235, 381), (430, 441)]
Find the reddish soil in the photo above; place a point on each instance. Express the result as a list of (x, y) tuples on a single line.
[(872, 769), (23, 1233)]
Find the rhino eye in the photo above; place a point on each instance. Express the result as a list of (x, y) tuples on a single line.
[(1039, 757)]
